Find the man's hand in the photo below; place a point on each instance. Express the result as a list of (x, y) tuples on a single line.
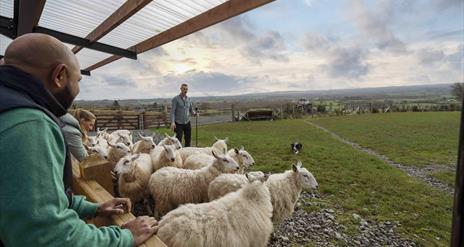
[(173, 126), (142, 228), (114, 206)]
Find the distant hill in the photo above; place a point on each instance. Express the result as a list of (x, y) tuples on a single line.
[(416, 91)]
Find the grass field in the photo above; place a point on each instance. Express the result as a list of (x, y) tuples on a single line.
[(352, 181), (410, 138)]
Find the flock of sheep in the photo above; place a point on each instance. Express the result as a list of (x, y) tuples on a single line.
[(203, 196)]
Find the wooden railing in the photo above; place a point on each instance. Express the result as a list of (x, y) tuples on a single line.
[(130, 120), (96, 193)]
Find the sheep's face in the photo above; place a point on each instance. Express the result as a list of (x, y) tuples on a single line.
[(99, 151), (255, 176), (244, 158), (171, 140), (306, 178), (92, 141), (126, 139), (226, 163), (122, 148), (148, 140), (126, 164), (170, 152)]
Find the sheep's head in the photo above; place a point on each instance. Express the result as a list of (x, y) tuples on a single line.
[(126, 139), (220, 145), (306, 178), (92, 141), (171, 140), (126, 164), (244, 158), (170, 152), (99, 151), (225, 163), (121, 148), (255, 176), (102, 133), (148, 140)]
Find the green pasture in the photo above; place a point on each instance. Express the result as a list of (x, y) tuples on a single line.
[(352, 181)]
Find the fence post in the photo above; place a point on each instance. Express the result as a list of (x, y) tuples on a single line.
[(233, 112)]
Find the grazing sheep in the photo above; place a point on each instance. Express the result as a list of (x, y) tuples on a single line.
[(170, 140), (285, 189), (134, 172), (226, 183), (171, 186), (144, 145), (241, 218), (220, 146), (165, 155)]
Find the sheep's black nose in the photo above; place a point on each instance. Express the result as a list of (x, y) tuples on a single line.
[(105, 157), (172, 160), (152, 146)]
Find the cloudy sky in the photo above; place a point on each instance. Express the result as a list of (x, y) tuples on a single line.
[(299, 45)]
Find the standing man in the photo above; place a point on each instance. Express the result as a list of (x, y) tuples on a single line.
[(180, 112), (38, 83)]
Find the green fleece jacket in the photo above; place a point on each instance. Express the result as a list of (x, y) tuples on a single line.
[(33, 205)]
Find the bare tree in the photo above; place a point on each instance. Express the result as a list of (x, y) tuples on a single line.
[(457, 90)]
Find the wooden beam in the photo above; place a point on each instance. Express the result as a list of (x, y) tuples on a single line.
[(215, 15), (128, 9), (28, 15), (457, 227)]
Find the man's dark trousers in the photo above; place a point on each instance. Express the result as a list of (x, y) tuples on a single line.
[(186, 129)]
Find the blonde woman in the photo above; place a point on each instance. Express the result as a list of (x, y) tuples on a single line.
[(75, 131)]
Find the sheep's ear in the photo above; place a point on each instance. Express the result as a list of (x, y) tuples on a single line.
[(215, 155), (299, 164), (111, 144), (105, 129), (135, 157), (166, 134), (295, 168), (165, 148), (236, 150), (246, 175), (140, 135), (227, 139), (242, 148), (215, 138)]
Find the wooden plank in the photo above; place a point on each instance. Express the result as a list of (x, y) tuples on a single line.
[(215, 15), (29, 12), (94, 192), (123, 13)]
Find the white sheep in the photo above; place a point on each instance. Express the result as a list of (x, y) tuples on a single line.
[(285, 189), (170, 140), (144, 145), (91, 141), (134, 172), (226, 183), (124, 136), (199, 160), (165, 155), (220, 146), (117, 151), (171, 186), (241, 218), (99, 150)]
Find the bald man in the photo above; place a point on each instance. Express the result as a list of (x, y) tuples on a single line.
[(38, 82)]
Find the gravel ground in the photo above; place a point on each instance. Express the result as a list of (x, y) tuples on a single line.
[(320, 228)]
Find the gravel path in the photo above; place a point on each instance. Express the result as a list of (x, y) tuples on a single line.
[(417, 172), (320, 228)]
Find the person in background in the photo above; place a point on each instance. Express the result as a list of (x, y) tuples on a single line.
[(77, 125), (38, 83), (180, 115)]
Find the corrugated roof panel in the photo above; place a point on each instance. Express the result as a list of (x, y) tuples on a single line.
[(4, 42), (156, 17), (89, 57), (6, 8), (77, 17)]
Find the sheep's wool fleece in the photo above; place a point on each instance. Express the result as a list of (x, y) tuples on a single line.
[(285, 190), (224, 184), (241, 218)]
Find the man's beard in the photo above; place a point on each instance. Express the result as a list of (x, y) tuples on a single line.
[(65, 97)]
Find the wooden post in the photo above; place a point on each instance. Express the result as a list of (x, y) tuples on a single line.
[(233, 112)]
